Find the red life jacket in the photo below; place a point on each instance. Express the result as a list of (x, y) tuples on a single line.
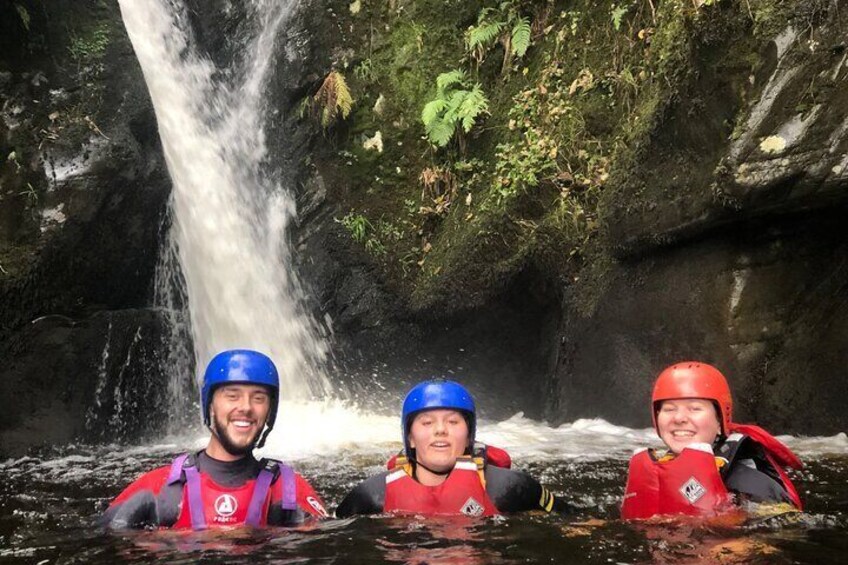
[(207, 504), (688, 484), (776, 453), (463, 492), (491, 456)]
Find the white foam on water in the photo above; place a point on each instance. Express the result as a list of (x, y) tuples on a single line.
[(322, 429)]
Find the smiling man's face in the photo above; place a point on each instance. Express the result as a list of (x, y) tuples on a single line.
[(238, 412)]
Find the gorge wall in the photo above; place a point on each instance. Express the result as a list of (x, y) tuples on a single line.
[(645, 186)]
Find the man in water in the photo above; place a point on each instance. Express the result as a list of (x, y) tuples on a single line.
[(440, 472), (712, 463), (223, 484)]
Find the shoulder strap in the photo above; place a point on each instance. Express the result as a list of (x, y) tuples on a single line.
[(183, 470), (271, 471), (493, 455)]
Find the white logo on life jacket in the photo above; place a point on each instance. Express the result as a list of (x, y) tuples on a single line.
[(316, 505), (472, 508), (692, 490), (226, 505)]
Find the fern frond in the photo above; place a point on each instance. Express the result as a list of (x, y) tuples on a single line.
[(432, 110), (473, 105), (451, 78), (483, 35), (304, 107), (344, 100), (332, 98), (521, 36), (440, 132)]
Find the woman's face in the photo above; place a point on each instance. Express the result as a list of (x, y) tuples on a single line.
[(438, 437), (684, 421)]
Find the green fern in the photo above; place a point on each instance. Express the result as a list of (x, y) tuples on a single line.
[(432, 110), (449, 79), (521, 37), (440, 132), (480, 38), (616, 15), (457, 104), (503, 25)]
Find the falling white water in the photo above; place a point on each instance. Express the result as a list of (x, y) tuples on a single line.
[(230, 219)]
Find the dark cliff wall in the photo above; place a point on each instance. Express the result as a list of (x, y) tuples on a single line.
[(726, 228), (692, 211), (83, 190)]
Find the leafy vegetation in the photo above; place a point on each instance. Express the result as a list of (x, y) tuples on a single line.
[(570, 91), (454, 110), (23, 14), (504, 25), (373, 236), (331, 101), (87, 48)]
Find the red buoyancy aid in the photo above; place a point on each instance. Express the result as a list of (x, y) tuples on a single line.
[(491, 455), (207, 504), (688, 484), (463, 492), (777, 454)]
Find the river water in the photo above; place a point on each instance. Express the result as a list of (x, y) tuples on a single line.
[(50, 500)]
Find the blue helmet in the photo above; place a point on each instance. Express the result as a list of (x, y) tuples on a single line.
[(241, 366), (433, 395)]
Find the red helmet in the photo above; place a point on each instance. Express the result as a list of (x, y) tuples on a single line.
[(692, 379)]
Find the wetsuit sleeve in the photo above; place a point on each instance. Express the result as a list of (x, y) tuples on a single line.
[(753, 477), (137, 505), (755, 485), (367, 498), (309, 505), (515, 491)]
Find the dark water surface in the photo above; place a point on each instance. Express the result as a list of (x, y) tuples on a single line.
[(48, 504)]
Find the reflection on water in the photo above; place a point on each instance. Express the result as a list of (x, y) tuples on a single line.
[(48, 503)]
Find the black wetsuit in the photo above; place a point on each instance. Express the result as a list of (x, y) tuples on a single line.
[(151, 502), (750, 475), (510, 491)]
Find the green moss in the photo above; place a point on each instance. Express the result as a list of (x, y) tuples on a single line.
[(564, 150), (89, 45)]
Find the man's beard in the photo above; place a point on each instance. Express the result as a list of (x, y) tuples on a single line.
[(220, 431)]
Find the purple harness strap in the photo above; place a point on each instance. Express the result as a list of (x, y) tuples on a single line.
[(192, 479), (255, 510), (260, 492), (289, 501), (257, 501)]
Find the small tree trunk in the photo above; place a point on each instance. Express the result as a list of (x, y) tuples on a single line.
[(506, 41)]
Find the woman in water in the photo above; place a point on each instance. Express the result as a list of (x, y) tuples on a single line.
[(712, 462), (440, 471)]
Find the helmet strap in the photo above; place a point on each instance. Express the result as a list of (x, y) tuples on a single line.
[(262, 437)]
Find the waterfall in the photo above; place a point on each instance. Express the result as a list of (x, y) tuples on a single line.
[(229, 215)]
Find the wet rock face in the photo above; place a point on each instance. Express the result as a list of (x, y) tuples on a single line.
[(734, 255), (764, 301), (739, 141), (83, 192), (87, 160), (94, 380)]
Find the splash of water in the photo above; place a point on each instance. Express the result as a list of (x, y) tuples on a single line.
[(230, 217)]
